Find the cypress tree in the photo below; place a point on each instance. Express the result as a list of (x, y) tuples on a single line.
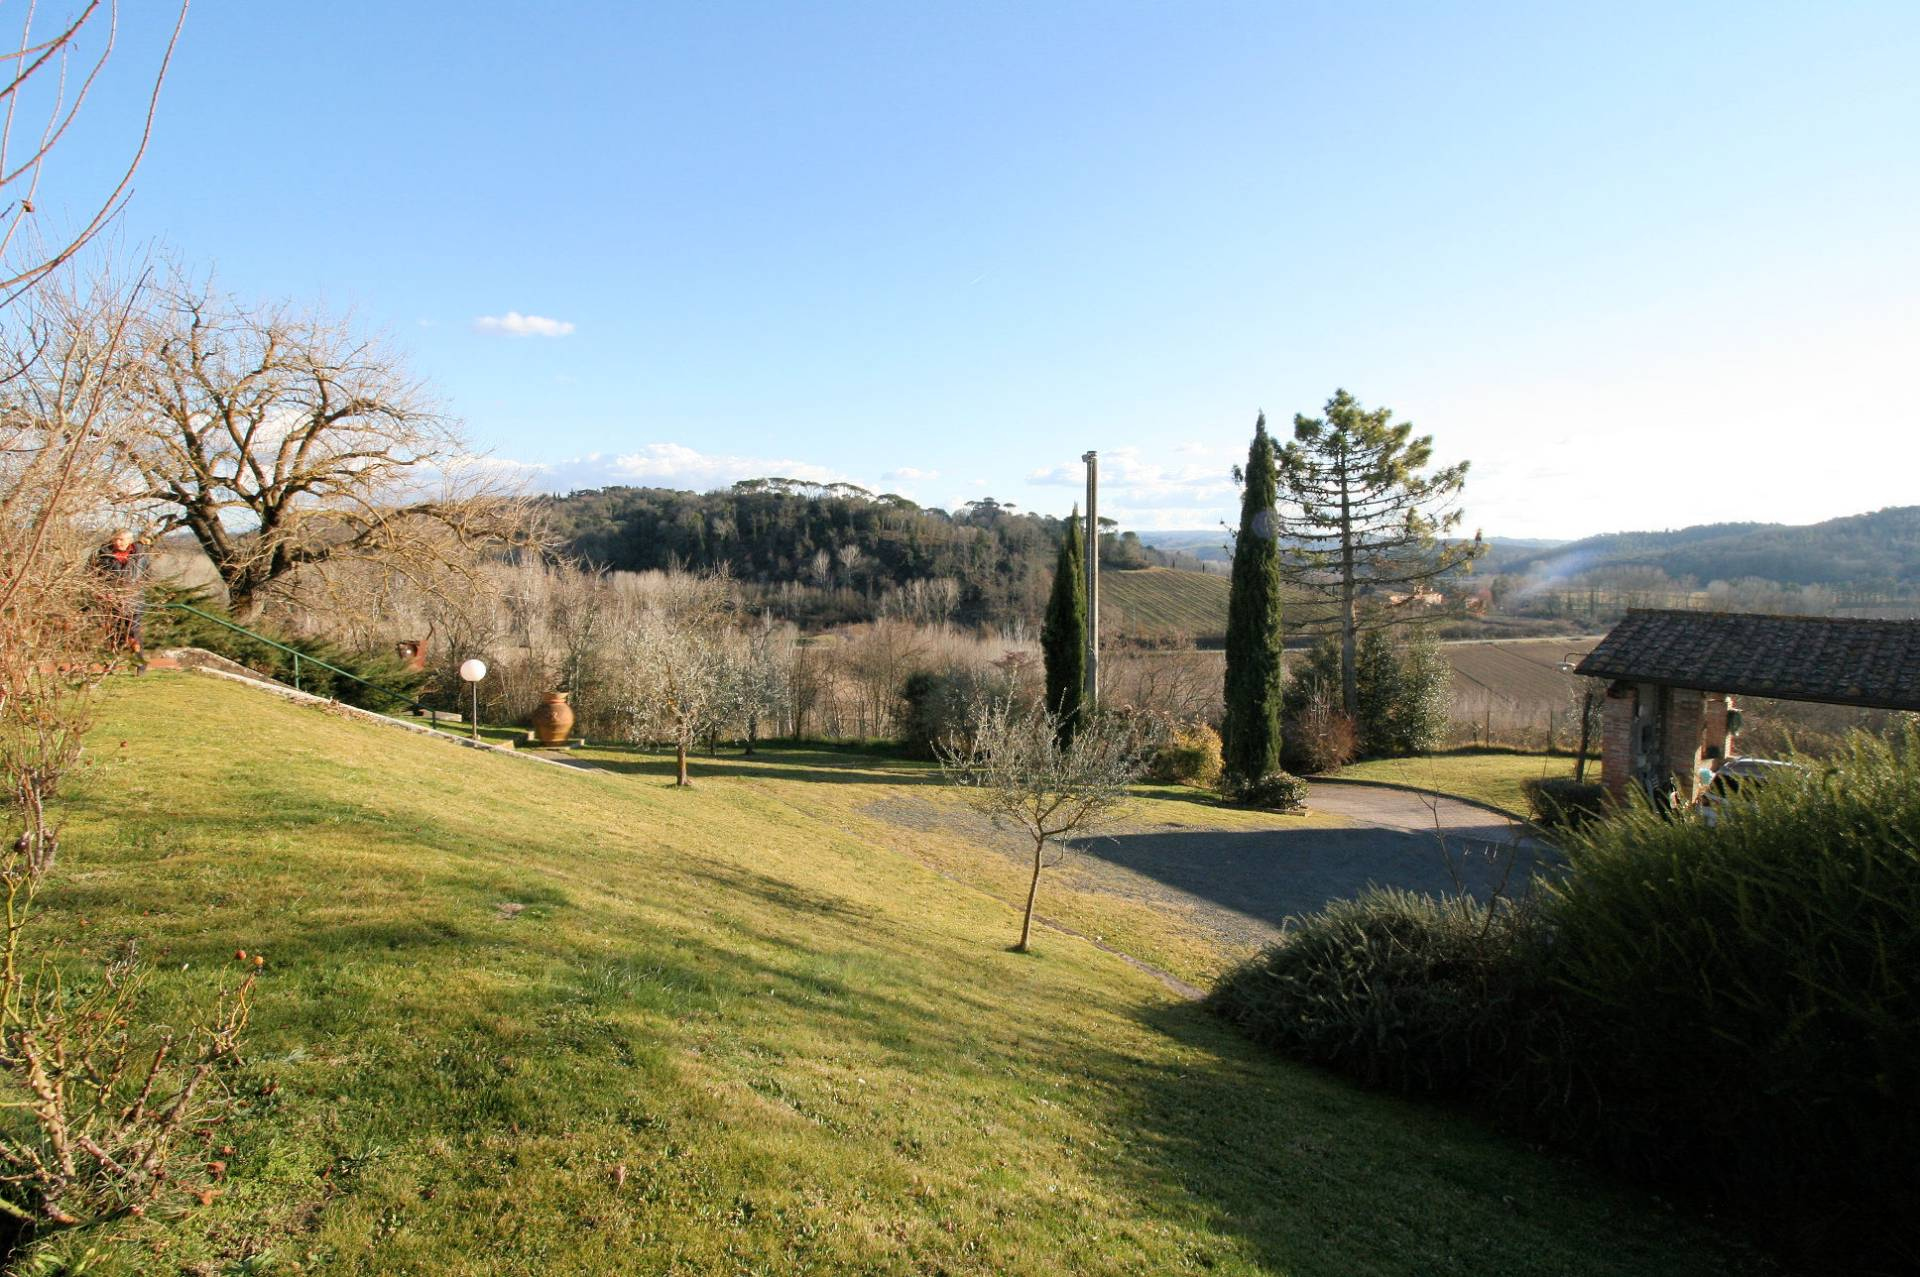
[(1063, 635), (1251, 740)]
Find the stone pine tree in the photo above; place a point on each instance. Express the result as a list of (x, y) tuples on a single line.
[(1063, 635), (1251, 741), (1366, 523)]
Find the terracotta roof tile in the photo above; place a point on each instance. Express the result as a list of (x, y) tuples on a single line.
[(1841, 661)]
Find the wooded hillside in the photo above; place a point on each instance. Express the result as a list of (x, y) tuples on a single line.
[(845, 548)]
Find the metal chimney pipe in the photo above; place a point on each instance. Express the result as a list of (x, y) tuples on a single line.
[(1093, 577)]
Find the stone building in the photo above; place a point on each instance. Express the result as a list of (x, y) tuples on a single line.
[(1675, 676)]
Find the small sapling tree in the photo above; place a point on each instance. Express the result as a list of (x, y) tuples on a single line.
[(1013, 768)]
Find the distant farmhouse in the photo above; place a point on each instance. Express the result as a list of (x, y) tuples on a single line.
[(1675, 676)]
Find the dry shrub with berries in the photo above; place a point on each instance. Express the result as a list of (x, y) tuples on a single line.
[(97, 1104)]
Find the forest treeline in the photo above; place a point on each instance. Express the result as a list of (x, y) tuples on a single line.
[(834, 553)]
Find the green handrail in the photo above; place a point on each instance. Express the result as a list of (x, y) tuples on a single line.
[(299, 656)]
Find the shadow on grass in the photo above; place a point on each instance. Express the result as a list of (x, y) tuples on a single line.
[(1313, 1174), (767, 763), (487, 1033)]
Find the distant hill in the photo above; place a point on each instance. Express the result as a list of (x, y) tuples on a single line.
[(1214, 546), (1207, 544), (1877, 551)]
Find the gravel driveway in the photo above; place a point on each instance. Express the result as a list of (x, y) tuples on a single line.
[(1243, 884)]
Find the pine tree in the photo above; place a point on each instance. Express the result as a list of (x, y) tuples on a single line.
[(1063, 635), (1251, 741), (1367, 522)]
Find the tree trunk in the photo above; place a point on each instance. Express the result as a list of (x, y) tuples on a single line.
[(242, 605), (753, 730), (1349, 663), (1033, 889), (1586, 729), (680, 755)]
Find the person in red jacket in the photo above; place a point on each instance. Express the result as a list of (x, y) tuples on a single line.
[(122, 565)]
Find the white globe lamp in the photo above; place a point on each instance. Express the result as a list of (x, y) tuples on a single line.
[(473, 669)]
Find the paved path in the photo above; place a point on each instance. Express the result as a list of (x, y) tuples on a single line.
[(1242, 884), (1390, 808)]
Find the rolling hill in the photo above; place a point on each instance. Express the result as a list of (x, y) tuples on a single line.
[(518, 1018), (1880, 550), (1164, 603)]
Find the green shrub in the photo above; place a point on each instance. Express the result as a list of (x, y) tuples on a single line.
[(1189, 756), (1748, 995), (936, 707), (1732, 1009), (1401, 682), (1275, 791), (393, 684), (1413, 993), (1403, 685), (1560, 802)]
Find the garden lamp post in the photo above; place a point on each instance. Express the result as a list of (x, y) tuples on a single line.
[(473, 669)]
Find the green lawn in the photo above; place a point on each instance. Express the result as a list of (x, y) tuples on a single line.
[(1492, 777), (742, 1028)]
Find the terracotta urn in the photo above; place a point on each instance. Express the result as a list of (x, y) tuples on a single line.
[(553, 720)]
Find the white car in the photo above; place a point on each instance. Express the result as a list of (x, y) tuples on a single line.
[(1737, 774)]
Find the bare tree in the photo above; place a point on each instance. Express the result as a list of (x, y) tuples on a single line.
[(877, 658), (763, 676), (674, 671), (291, 446), (1013, 768), (41, 80)]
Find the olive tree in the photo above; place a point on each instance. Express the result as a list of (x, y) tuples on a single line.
[(1012, 766), (675, 675)]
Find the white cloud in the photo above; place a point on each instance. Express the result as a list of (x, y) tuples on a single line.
[(910, 474), (667, 465), (515, 324)]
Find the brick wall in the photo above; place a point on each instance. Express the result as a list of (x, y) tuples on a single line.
[(1616, 743), (1684, 728)]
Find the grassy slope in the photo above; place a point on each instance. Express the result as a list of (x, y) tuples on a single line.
[(1491, 777), (809, 1053)]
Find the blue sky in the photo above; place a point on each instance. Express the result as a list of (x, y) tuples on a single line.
[(1645, 265)]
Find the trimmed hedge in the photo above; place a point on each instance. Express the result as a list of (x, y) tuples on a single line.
[(1275, 791)]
